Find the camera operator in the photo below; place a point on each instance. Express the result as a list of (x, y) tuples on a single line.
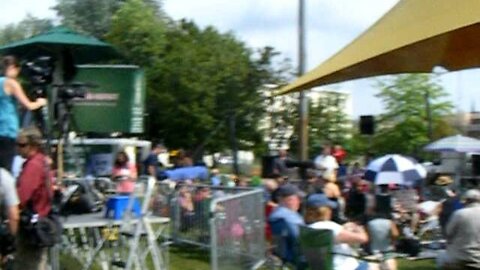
[(34, 195), (12, 92), (9, 215)]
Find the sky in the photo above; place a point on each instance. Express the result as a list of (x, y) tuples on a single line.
[(330, 25)]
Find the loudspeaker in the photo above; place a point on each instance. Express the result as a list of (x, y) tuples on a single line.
[(476, 165), (367, 125), (267, 166)]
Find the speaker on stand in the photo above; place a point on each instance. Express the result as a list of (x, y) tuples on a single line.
[(367, 125), (268, 166)]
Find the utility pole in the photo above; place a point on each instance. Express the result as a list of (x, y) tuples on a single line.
[(303, 101), (233, 142), (429, 115)]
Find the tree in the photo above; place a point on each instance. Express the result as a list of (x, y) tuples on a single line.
[(328, 121), (94, 17), (197, 79), (87, 16), (205, 79), (411, 102), (24, 29), (138, 34)]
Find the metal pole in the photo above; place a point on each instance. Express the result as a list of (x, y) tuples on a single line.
[(429, 115), (233, 141), (303, 102)]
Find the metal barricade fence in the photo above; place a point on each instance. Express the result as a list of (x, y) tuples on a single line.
[(190, 211), (228, 220), (237, 228)]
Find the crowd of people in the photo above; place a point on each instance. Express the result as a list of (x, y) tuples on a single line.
[(362, 217), (383, 220)]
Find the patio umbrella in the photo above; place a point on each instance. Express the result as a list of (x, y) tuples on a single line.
[(457, 143), (414, 36), (393, 169), (60, 41), (419, 167)]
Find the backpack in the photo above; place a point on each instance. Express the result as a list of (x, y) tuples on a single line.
[(410, 246), (80, 198)]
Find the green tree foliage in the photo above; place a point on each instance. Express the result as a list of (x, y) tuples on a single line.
[(138, 34), (328, 122), (87, 16), (204, 78), (26, 28), (403, 128), (196, 78), (94, 17)]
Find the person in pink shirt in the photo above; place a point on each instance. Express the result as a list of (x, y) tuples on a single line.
[(124, 173)]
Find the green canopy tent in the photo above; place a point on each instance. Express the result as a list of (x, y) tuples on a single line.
[(59, 42), (68, 49)]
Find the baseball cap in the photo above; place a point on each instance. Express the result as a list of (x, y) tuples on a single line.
[(319, 200), (288, 190), (472, 195)]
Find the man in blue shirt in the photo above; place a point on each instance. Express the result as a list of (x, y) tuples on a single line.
[(289, 204), (151, 164), (285, 221)]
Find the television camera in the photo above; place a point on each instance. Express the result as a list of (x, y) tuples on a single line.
[(40, 74)]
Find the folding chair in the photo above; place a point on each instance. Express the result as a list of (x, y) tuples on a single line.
[(317, 245), (317, 248), (285, 245)]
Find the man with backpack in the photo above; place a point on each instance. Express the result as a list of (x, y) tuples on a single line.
[(35, 192)]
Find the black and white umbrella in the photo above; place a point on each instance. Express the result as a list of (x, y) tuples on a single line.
[(394, 169)]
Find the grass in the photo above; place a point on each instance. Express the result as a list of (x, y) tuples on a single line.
[(194, 258), (189, 258), (180, 258), (417, 265)]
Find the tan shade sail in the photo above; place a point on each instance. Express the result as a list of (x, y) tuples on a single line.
[(414, 36)]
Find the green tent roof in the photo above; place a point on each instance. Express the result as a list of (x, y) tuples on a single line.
[(84, 49)]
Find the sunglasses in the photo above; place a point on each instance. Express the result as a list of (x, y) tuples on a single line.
[(21, 145)]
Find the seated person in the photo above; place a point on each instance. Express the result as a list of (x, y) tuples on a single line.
[(286, 214), (449, 203), (357, 201), (382, 232), (185, 201), (319, 216), (124, 173), (152, 165), (383, 201), (463, 235)]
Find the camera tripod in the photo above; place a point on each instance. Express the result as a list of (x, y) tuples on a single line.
[(64, 122)]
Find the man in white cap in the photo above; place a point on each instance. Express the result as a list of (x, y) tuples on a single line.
[(463, 235)]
